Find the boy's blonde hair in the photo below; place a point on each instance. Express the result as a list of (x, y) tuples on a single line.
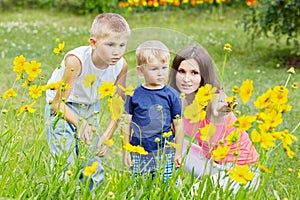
[(150, 50), (108, 24)]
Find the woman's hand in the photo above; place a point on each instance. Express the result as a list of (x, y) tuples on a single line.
[(219, 109)]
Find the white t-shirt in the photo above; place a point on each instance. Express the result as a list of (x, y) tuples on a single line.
[(79, 94)]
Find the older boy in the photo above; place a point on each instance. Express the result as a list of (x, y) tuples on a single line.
[(78, 103)]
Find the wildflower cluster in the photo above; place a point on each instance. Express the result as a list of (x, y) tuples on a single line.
[(178, 3)]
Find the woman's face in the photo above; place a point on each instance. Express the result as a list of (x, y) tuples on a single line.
[(188, 77)]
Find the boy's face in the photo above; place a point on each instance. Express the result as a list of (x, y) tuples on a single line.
[(109, 50), (155, 73)]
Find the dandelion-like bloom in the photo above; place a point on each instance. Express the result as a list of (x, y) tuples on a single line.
[(233, 137), (241, 174), (279, 95), (266, 139), (35, 91), (60, 48), (295, 85), (32, 69), (243, 123), (9, 93), (18, 67), (27, 108), (194, 113), (88, 170), (207, 132), (205, 94), (246, 90), (263, 100), (89, 80), (106, 89), (116, 107), (220, 153), (227, 47), (135, 149), (127, 91)]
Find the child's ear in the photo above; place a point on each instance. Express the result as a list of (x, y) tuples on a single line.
[(139, 70), (93, 42)]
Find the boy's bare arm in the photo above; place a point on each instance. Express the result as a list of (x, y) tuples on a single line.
[(179, 137), (72, 71)]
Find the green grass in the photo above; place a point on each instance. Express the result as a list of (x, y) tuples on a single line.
[(25, 171)]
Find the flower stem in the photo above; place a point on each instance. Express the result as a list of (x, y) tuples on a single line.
[(288, 79), (296, 127), (223, 70)]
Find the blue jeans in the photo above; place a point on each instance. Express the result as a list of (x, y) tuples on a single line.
[(62, 138)]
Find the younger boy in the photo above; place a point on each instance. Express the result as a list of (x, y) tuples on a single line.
[(155, 113), (79, 103)]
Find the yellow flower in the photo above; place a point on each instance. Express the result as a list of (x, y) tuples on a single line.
[(116, 107), (279, 95), (241, 174), (299, 173), (106, 89), (109, 142), (246, 90), (172, 144), (167, 134), (243, 123), (35, 91), (9, 93), (32, 69), (288, 151), (235, 89), (18, 67), (295, 85), (135, 149), (205, 94), (194, 113), (69, 173), (220, 153), (88, 170), (57, 39), (271, 117), (263, 100), (27, 108), (60, 48), (128, 91), (89, 80), (233, 137), (207, 131), (227, 47), (291, 70), (266, 139), (263, 169)]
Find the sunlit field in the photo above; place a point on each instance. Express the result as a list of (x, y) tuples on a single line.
[(26, 171)]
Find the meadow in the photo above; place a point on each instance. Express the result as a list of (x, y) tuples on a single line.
[(25, 162)]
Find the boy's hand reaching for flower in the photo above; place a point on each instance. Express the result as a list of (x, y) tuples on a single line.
[(103, 146), (85, 132), (127, 159)]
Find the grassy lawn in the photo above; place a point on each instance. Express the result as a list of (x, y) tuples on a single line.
[(24, 155)]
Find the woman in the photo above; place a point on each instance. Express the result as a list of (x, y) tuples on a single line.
[(193, 68)]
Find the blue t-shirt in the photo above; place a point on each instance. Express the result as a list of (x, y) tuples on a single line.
[(153, 111)]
